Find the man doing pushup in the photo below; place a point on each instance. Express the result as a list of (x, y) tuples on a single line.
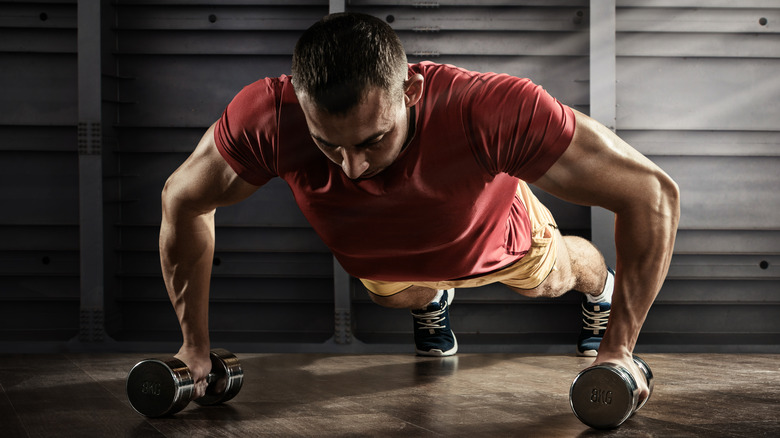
[(415, 176)]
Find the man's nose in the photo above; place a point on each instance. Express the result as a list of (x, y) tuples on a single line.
[(353, 162)]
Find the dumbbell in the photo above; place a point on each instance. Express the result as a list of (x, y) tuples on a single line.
[(605, 395), (159, 387)]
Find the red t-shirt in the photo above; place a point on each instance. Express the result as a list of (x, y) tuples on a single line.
[(446, 208)]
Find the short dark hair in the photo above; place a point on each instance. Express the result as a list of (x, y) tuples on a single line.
[(338, 58)]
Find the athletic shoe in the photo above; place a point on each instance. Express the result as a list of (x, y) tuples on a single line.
[(594, 324), (432, 333)]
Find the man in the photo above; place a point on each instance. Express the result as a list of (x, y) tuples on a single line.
[(414, 176)]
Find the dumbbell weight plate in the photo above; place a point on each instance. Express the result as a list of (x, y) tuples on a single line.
[(645, 368), (603, 396), (228, 376), (159, 387)]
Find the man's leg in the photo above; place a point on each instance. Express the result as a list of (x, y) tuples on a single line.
[(580, 266), (430, 309), (414, 297)]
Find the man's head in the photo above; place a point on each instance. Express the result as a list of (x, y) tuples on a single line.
[(350, 77), (338, 59)]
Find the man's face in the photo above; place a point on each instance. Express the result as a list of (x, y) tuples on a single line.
[(367, 139)]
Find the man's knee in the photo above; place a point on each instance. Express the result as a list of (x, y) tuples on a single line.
[(587, 265), (388, 301), (555, 285), (559, 280), (414, 297)]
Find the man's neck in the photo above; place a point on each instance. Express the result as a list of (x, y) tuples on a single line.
[(411, 123)]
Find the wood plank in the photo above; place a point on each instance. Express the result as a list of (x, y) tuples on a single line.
[(441, 3), (11, 424), (54, 398), (712, 20), (219, 18), (717, 45), (725, 267), (543, 19), (38, 16), (709, 143), (754, 242), (718, 191), (729, 4), (678, 94)]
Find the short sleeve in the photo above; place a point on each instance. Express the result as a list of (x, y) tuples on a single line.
[(245, 135), (515, 126)]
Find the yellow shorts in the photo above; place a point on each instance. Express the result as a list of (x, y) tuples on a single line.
[(526, 273)]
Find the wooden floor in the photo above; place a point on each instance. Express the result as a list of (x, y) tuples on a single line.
[(469, 395)]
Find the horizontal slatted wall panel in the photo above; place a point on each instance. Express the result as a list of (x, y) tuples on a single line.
[(183, 61), (546, 41), (39, 232), (698, 91)]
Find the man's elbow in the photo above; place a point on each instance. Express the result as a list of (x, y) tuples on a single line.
[(174, 199), (167, 195), (180, 201), (669, 198)]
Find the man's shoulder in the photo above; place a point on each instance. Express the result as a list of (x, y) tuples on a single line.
[(257, 105), (265, 90), (431, 69), (445, 81), (448, 78)]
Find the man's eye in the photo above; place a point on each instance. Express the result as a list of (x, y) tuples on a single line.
[(375, 142)]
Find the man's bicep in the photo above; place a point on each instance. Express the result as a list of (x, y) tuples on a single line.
[(205, 180), (599, 168)]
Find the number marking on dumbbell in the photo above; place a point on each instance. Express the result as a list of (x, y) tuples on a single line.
[(151, 388), (601, 396)]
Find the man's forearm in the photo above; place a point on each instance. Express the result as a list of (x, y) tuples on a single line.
[(186, 255), (644, 239)]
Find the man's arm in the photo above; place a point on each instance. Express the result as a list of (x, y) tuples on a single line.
[(600, 169), (190, 197)]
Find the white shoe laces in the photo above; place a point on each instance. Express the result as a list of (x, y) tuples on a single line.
[(595, 321), (430, 320)]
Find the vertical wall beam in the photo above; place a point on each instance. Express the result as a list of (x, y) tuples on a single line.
[(342, 288), (603, 104), (336, 6), (91, 327)]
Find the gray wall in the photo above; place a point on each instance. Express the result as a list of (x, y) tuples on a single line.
[(98, 105)]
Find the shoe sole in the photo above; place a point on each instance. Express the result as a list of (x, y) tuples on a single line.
[(587, 353), (438, 353)]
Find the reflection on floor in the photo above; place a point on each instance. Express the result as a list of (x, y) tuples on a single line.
[(469, 395)]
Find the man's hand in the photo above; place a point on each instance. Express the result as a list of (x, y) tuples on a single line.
[(199, 363), (626, 361)]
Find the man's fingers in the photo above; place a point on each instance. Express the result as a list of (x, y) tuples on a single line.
[(199, 389)]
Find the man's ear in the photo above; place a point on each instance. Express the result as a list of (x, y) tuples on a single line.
[(413, 90)]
